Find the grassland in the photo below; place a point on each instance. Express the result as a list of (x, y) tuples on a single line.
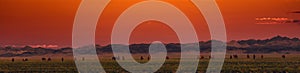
[(269, 64)]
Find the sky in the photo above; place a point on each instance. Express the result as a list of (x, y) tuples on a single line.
[(50, 22)]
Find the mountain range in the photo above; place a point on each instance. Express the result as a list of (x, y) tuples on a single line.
[(277, 44)]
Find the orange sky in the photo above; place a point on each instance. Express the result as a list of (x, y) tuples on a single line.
[(34, 22)]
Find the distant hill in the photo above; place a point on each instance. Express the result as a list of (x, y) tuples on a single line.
[(275, 44)]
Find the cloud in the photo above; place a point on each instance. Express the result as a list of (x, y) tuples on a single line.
[(296, 21), (298, 12), (34, 46), (275, 20), (44, 46)]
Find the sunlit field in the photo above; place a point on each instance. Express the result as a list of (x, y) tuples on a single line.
[(268, 64)]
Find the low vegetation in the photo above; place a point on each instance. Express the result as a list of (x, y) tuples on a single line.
[(242, 64)]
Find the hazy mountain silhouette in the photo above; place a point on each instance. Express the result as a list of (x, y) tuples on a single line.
[(275, 44)]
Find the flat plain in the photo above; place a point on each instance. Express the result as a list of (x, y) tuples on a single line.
[(270, 63)]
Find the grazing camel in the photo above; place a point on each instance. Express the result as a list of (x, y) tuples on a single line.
[(43, 59), (148, 58), (62, 59), (123, 58), (236, 56), (83, 58), (118, 58), (283, 56), (202, 57), (248, 56), (13, 59), (113, 58), (142, 58), (167, 57), (25, 60), (49, 59)]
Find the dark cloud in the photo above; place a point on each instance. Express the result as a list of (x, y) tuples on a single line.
[(296, 12), (296, 21)]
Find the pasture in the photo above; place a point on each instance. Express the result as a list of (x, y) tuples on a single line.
[(268, 64)]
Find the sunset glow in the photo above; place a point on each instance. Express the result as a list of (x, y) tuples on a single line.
[(25, 22)]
